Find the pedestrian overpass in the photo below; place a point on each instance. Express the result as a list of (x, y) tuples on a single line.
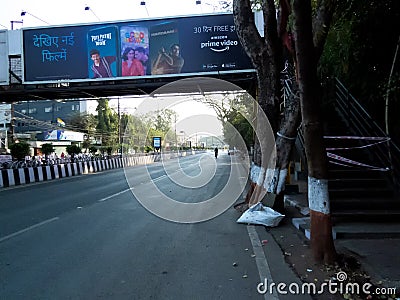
[(17, 91), (53, 62)]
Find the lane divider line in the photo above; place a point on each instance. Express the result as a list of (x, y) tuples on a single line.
[(114, 195), (27, 229), (160, 178), (56, 218)]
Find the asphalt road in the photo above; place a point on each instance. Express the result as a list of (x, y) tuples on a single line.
[(89, 237)]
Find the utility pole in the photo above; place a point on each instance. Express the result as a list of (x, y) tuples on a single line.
[(4, 136), (176, 139), (119, 129), (12, 123), (53, 120)]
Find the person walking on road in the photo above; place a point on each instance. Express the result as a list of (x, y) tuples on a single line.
[(216, 152)]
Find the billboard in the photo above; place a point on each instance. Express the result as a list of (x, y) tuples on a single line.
[(62, 135), (158, 47)]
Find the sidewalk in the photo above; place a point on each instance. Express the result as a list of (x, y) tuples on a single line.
[(368, 251)]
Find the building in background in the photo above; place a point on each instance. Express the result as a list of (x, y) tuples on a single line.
[(41, 115), (47, 121)]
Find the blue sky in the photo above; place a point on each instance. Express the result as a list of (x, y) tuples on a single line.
[(56, 12)]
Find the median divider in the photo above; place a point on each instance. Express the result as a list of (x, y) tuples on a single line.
[(13, 177)]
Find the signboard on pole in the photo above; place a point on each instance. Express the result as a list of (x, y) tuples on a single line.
[(154, 47), (157, 142)]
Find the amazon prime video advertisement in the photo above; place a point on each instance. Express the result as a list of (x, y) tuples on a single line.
[(158, 47)]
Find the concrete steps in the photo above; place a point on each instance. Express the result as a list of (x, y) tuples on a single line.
[(354, 230)]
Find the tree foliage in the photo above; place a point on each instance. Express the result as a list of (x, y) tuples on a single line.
[(360, 49), (73, 150), (241, 130), (160, 123), (137, 131), (134, 133), (107, 123), (47, 148), (83, 122), (234, 111), (92, 150), (20, 150)]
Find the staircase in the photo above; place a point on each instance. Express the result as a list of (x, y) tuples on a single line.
[(362, 170)]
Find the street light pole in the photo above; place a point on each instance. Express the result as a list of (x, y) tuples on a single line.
[(88, 8), (176, 138), (12, 123), (16, 22), (143, 3), (119, 129), (24, 12)]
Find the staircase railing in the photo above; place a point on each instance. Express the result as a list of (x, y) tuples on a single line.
[(362, 124)]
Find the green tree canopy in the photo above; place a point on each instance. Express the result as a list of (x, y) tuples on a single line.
[(360, 50), (73, 150), (234, 111), (20, 150), (47, 148), (83, 122), (107, 123), (160, 123)]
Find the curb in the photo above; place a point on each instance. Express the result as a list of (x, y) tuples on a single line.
[(304, 210), (303, 224)]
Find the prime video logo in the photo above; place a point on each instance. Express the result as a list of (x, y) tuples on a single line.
[(310, 288)]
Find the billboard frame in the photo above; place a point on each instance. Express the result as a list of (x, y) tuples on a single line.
[(65, 82)]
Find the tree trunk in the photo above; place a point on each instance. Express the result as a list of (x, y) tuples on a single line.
[(321, 227), (285, 139), (265, 54)]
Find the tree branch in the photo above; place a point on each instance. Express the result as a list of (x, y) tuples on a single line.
[(322, 23), (249, 36)]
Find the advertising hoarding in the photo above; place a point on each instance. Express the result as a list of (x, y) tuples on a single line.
[(62, 135), (158, 47)]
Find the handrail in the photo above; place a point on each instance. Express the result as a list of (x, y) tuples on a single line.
[(361, 123), (358, 106)]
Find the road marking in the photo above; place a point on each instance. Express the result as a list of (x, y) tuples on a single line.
[(153, 180), (160, 178), (114, 195), (27, 229), (261, 260)]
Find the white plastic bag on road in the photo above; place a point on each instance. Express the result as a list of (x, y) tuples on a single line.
[(261, 215)]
